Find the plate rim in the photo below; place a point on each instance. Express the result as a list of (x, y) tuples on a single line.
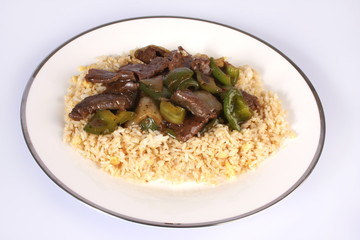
[(67, 189)]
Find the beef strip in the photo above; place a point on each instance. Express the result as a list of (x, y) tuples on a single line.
[(143, 71), (200, 103), (99, 102), (189, 128), (103, 76), (177, 59), (150, 52), (127, 89), (122, 87), (201, 64), (251, 100)]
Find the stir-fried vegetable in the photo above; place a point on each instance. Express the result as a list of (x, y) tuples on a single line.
[(155, 83), (219, 74), (124, 116), (235, 109), (220, 62), (164, 93), (104, 121), (207, 83), (147, 107), (148, 124), (233, 72), (189, 84), (212, 123), (172, 113), (154, 88), (209, 100), (176, 76), (171, 133)]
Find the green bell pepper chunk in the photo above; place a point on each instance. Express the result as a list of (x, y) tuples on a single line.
[(148, 90), (105, 122), (148, 124), (172, 113), (124, 116), (189, 83), (207, 83), (236, 110), (212, 123), (176, 76), (219, 74), (165, 93), (171, 133), (233, 72)]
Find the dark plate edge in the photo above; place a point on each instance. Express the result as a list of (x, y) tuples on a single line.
[(164, 224)]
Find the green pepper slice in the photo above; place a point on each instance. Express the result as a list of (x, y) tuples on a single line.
[(154, 88), (176, 76), (148, 90), (189, 83), (124, 116), (171, 133), (207, 83), (172, 113), (219, 74), (105, 122), (148, 124), (212, 123), (165, 93), (233, 72), (225, 90), (235, 109)]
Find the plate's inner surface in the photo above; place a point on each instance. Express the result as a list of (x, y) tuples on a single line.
[(188, 204)]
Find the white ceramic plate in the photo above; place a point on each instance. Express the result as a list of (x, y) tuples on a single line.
[(42, 114)]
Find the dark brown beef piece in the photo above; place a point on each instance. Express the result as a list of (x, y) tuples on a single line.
[(118, 95), (150, 52), (251, 100), (190, 127), (143, 71), (99, 102), (122, 87), (103, 76), (178, 60), (201, 64), (206, 108), (127, 89)]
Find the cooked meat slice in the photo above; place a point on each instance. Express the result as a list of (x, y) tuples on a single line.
[(121, 87), (199, 103), (177, 59), (150, 52), (201, 64), (143, 71), (101, 101), (251, 100), (128, 89), (189, 128), (103, 76)]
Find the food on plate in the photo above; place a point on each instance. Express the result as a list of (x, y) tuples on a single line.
[(156, 114), (169, 88)]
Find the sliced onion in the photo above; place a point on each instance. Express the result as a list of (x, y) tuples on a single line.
[(155, 83), (210, 100)]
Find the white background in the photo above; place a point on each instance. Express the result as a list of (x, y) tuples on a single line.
[(321, 37)]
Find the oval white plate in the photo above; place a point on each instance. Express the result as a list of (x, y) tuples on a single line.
[(42, 112)]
